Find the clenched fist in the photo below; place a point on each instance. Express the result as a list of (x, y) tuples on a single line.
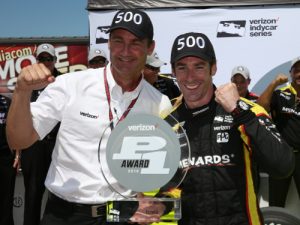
[(280, 79), (34, 77), (227, 95)]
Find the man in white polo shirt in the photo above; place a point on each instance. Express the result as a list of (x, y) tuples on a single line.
[(85, 103)]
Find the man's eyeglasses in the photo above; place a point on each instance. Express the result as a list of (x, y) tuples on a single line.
[(45, 59), (156, 69)]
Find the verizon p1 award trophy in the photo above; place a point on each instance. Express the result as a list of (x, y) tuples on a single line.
[(141, 160)]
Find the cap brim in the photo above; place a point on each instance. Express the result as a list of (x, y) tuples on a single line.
[(130, 29), (45, 51), (158, 63), (243, 75), (294, 63), (185, 54)]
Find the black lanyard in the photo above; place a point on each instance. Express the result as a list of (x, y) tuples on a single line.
[(109, 99)]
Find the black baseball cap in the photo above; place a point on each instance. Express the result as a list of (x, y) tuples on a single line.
[(193, 44), (135, 21)]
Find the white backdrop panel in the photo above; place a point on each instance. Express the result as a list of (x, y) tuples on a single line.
[(265, 39)]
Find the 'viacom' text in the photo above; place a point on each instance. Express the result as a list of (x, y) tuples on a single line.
[(13, 60)]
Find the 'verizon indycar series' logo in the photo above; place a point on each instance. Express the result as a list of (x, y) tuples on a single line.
[(261, 27)]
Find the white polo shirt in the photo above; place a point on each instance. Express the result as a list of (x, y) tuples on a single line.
[(79, 101)]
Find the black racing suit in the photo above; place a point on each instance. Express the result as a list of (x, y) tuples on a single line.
[(218, 188), (251, 96), (285, 110), (166, 86)]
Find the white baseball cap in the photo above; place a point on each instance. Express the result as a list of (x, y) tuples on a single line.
[(45, 48), (93, 53), (153, 60), (243, 70), (294, 61)]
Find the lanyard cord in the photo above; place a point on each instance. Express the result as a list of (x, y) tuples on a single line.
[(132, 103), (112, 126)]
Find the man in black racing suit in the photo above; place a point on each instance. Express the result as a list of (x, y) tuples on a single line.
[(284, 105), (226, 134)]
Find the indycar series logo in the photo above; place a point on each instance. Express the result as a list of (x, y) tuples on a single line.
[(262, 27), (232, 28), (101, 35)]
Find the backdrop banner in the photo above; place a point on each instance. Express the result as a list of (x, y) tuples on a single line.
[(14, 57), (124, 4), (264, 39)]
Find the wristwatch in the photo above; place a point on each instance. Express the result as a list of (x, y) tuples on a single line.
[(241, 106)]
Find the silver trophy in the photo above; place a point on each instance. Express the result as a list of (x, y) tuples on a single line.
[(141, 160)]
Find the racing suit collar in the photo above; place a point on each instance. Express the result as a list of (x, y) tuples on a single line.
[(200, 111)]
